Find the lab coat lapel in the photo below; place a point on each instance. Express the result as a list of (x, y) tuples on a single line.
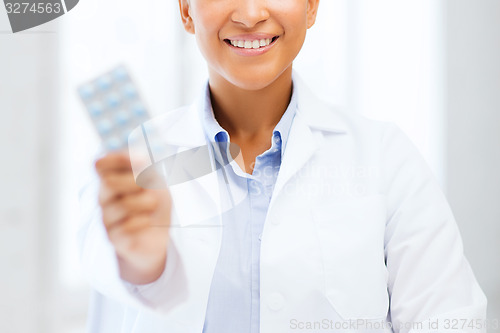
[(300, 147), (200, 192), (313, 117), (201, 204), (169, 136)]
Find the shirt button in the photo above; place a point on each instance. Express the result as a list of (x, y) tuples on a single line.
[(277, 140), (260, 237), (276, 301)]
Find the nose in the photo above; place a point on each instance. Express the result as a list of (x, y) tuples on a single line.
[(250, 12)]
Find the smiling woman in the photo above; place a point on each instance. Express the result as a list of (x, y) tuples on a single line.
[(350, 58), (388, 252), (388, 59)]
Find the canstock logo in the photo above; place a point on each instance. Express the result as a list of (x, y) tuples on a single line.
[(27, 14)]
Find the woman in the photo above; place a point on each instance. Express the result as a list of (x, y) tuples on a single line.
[(337, 222)]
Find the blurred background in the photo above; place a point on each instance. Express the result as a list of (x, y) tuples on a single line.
[(430, 66)]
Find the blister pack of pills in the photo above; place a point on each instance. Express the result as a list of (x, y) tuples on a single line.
[(114, 105)]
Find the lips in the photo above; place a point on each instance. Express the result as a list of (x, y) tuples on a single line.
[(251, 42)]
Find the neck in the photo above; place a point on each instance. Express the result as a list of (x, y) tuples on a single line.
[(247, 114)]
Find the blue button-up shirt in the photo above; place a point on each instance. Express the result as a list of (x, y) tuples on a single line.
[(234, 301)]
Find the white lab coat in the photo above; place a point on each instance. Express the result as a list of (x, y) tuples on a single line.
[(357, 228)]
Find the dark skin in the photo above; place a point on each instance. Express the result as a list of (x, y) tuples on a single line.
[(251, 124)]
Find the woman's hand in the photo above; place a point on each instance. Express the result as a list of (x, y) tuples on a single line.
[(137, 220)]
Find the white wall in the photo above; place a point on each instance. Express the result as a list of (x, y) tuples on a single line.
[(26, 127), (473, 140), (33, 299)]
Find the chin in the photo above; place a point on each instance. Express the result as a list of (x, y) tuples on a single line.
[(250, 79)]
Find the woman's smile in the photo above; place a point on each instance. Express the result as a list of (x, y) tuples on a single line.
[(251, 45), (260, 36)]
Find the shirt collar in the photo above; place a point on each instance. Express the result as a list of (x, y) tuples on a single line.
[(215, 132)]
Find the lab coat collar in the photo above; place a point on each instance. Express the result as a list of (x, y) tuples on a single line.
[(315, 112), (306, 134)]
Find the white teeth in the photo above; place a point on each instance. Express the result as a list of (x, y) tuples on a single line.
[(251, 44)]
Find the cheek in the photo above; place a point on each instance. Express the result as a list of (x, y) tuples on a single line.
[(292, 15), (206, 40), (295, 28), (209, 15), (207, 21)]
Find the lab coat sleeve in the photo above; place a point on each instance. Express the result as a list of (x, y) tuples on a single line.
[(100, 265), (429, 278)]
